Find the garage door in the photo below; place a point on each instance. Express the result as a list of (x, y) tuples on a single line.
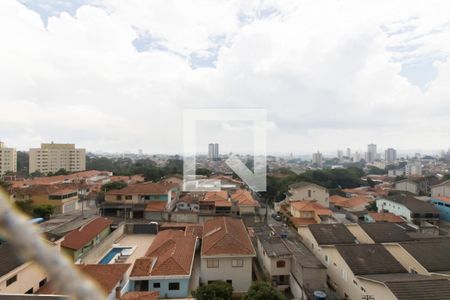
[(145, 228)]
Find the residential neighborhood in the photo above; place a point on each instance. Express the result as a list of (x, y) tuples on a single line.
[(224, 150)]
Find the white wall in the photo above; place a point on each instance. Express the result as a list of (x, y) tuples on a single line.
[(393, 207), (241, 277)]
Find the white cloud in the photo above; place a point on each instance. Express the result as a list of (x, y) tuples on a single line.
[(328, 72)]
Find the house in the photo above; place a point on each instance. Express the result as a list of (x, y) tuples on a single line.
[(443, 206), (189, 202), (18, 276), (112, 279), (217, 203), (81, 240), (167, 265), (348, 264), (371, 217), (308, 191), (309, 212), (274, 257), (385, 232), (404, 286), (407, 185), (244, 200), (352, 204), (308, 274), (441, 190), (227, 253), (410, 208), (426, 257), (64, 197), (132, 179), (317, 237), (132, 200)]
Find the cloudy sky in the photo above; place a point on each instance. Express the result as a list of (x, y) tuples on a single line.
[(116, 75)]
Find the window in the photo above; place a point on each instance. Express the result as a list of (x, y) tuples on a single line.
[(212, 263), (42, 282), (174, 286), (237, 263), (281, 264), (327, 260), (230, 282), (11, 280), (30, 291), (156, 285), (309, 193), (118, 197), (128, 197)]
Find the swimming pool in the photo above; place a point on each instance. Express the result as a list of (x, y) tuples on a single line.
[(113, 253)]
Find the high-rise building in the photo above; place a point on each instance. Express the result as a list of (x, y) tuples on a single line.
[(213, 151), (8, 159), (53, 157), (317, 158), (340, 154), (356, 157), (371, 154), (390, 155), (348, 153), (413, 169)]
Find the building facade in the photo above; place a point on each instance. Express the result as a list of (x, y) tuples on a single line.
[(53, 157), (8, 159)]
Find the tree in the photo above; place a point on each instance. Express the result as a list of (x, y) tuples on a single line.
[(263, 291), (376, 171), (61, 172), (43, 210), (115, 185), (203, 171), (36, 174), (4, 184), (217, 290)]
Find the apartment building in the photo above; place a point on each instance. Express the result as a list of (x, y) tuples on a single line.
[(53, 157), (8, 159)]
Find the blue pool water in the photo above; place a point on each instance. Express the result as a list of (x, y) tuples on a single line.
[(111, 254)]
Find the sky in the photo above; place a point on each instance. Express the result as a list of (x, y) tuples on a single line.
[(113, 75)]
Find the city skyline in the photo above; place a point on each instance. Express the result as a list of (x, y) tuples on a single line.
[(384, 65)]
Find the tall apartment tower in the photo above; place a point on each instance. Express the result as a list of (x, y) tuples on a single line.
[(8, 159), (348, 152), (390, 155), (317, 159), (53, 157), (340, 154), (213, 151), (371, 153)]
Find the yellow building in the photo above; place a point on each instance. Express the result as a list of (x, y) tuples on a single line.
[(8, 159), (53, 157)]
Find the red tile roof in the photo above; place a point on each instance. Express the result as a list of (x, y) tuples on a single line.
[(386, 217), (244, 198), (49, 180), (351, 202), (226, 236), (306, 205), (145, 188), (46, 190), (106, 276), (77, 238), (171, 253), (156, 206)]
